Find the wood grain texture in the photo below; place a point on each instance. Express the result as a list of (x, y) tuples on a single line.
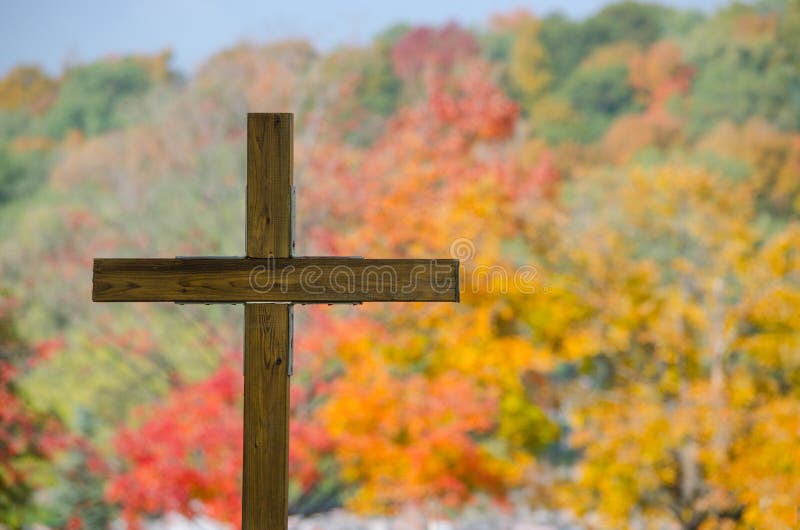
[(269, 185), (267, 339), (265, 492), (303, 280)]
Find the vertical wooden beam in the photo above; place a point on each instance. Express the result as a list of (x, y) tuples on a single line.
[(269, 185), (265, 487)]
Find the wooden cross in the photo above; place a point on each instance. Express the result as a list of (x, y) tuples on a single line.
[(269, 273)]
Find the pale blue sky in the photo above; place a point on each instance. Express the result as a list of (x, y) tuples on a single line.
[(54, 32)]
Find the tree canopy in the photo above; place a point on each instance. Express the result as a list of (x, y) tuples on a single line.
[(623, 191)]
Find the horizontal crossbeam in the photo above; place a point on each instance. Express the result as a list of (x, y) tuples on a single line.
[(298, 280)]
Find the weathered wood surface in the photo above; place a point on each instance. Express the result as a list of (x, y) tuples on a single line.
[(265, 492), (269, 185), (267, 333), (313, 280)]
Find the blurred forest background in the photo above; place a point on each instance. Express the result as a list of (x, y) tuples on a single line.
[(645, 160)]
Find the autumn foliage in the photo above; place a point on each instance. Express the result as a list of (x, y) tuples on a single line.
[(623, 192)]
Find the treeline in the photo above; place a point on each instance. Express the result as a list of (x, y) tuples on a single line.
[(642, 166)]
